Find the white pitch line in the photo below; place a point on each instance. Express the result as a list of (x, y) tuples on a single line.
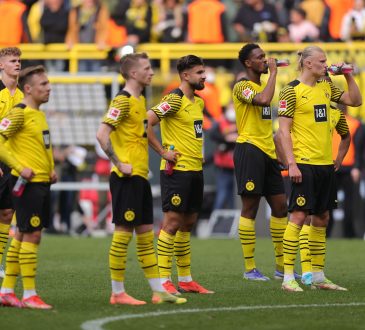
[(98, 323)]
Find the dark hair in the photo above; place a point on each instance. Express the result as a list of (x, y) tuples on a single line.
[(300, 11), (27, 73), (187, 62), (128, 61), (10, 51), (245, 52)]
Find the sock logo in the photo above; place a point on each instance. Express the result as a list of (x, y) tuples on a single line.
[(129, 215), (35, 221)]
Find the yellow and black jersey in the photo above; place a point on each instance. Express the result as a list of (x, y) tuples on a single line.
[(309, 107), (8, 101), (29, 142), (338, 122), (254, 122), (182, 127), (128, 116)]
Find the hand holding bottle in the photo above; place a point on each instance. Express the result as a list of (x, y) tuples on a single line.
[(339, 69)]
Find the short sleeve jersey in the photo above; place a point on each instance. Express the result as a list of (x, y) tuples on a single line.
[(8, 101), (312, 129), (254, 122), (128, 116), (182, 126), (338, 122), (29, 140)]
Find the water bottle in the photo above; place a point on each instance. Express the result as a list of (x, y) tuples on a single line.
[(342, 69), (281, 63), (19, 186), (169, 166)]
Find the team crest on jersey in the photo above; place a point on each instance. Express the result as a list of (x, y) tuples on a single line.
[(250, 185), (113, 113), (5, 123), (176, 200), (301, 201), (247, 93), (283, 105), (129, 215), (164, 107), (35, 221)]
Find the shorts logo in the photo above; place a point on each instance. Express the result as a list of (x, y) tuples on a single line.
[(282, 105), (35, 221), (301, 201), (250, 186), (176, 200), (247, 93), (164, 107), (113, 113), (5, 123), (129, 215)]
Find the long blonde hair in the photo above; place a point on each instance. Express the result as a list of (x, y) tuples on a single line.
[(306, 52)]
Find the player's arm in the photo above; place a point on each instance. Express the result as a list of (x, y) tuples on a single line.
[(352, 96), (264, 98), (343, 130), (103, 137)]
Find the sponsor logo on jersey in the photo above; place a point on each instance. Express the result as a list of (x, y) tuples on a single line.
[(46, 139), (198, 127), (266, 113), (283, 105), (5, 123), (247, 93), (113, 113), (164, 107)]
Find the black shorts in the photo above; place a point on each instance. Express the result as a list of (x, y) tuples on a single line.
[(256, 173), (182, 191), (131, 200), (6, 201), (33, 206), (317, 192)]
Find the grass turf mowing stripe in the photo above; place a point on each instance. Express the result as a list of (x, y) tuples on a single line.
[(98, 324)]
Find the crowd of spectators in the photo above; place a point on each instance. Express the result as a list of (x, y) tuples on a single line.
[(114, 23)]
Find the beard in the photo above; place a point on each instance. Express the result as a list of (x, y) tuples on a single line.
[(197, 86)]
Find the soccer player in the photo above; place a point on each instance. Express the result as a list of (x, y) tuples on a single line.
[(29, 155), (10, 95), (181, 115), (256, 168), (305, 136), (123, 137)]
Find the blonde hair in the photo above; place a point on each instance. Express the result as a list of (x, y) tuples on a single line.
[(305, 53)]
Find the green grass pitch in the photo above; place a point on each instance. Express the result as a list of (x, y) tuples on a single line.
[(73, 275)]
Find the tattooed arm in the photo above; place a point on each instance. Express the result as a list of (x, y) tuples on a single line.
[(103, 136)]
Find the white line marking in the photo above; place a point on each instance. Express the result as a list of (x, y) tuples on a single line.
[(98, 324)]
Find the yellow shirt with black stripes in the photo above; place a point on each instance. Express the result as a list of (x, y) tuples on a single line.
[(29, 142), (309, 107), (338, 121), (128, 116), (254, 122), (8, 101), (182, 126)]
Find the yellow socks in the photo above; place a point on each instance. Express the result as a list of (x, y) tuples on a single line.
[(4, 235), (277, 229), (165, 251), (247, 235), (12, 265), (28, 264), (118, 255), (182, 253), (305, 256), (290, 244), (317, 247), (146, 255)]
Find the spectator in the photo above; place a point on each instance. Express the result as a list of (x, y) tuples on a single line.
[(207, 28), (353, 23), (171, 20), (256, 20), (314, 10), (300, 29), (224, 133), (117, 30), (88, 23)]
